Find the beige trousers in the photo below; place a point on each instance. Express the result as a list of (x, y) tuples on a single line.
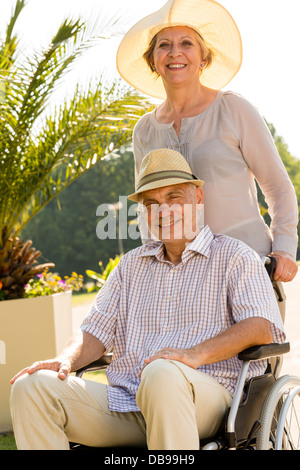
[(178, 407)]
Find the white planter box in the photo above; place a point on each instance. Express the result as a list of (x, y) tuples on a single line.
[(30, 330)]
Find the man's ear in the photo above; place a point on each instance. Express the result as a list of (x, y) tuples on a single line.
[(199, 195)]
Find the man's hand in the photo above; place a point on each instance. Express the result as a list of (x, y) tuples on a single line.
[(186, 356), (286, 268), (61, 366), (81, 349)]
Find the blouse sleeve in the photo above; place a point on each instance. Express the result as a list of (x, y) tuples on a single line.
[(263, 159)]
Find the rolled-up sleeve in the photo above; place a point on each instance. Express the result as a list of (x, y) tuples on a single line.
[(101, 320)]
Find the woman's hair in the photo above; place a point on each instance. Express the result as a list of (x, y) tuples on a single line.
[(207, 53)]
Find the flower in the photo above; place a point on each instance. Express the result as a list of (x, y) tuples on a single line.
[(2, 294), (48, 283)]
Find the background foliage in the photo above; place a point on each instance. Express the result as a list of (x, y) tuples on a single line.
[(65, 231)]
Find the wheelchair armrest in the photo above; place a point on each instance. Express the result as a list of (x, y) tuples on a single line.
[(251, 354), (99, 364), (264, 351)]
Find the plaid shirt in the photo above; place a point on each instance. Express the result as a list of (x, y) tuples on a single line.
[(148, 304)]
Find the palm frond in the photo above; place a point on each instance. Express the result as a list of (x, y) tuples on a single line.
[(81, 135), (8, 48), (42, 150)]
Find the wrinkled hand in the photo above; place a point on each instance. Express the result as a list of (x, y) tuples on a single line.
[(186, 356), (286, 268), (61, 366)]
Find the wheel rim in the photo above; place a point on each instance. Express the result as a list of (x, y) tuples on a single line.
[(288, 431)]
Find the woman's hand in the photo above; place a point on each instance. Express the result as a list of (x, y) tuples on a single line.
[(286, 268)]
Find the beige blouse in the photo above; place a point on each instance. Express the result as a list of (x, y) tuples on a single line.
[(229, 146)]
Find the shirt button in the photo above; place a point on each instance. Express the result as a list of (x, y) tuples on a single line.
[(169, 298)]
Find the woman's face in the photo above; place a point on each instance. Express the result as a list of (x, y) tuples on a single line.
[(177, 55)]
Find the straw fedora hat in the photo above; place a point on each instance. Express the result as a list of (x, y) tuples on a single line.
[(163, 167), (207, 17)]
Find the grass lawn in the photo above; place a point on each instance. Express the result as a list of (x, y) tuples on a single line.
[(78, 299), (98, 376), (7, 442)]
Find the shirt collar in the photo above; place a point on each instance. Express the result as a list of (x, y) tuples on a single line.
[(200, 244)]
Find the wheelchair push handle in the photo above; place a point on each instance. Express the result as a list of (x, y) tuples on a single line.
[(270, 265)]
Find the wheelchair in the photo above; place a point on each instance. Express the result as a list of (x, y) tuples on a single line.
[(265, 412)]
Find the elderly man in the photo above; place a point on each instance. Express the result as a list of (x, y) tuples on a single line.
[(175, 312)]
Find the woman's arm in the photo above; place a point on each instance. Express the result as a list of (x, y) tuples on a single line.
[(261, 155)]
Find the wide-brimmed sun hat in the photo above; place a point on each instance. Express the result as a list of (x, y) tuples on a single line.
[(207, 17), (163, 167)]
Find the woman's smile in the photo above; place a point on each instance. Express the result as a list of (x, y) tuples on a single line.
[(176, 66)]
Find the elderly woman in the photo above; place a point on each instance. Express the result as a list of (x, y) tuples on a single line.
[(184, 54)]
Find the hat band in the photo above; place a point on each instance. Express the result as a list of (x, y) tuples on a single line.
[(161, 175)]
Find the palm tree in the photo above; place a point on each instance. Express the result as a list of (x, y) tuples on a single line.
[(41, 153)]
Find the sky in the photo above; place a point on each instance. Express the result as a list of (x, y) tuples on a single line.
[(270, 74)]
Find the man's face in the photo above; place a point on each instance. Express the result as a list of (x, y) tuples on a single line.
[(172, 212)]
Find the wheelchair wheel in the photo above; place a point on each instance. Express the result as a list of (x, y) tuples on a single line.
[(280, 416)]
